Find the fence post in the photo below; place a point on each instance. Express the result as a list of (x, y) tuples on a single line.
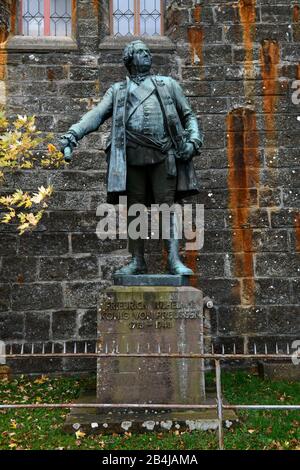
[(219, 404)]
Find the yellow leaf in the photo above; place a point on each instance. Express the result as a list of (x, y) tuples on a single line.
[(41, 379), (251, 431), (6, 218), (37, 197), (6, 200), (40, 214), (17, 196), (31, 219), (52, 148), (22, 228), (42, 194), (22, 217), (22, 118), (12, 445), (79, 434), (28, 203), (13, 423)]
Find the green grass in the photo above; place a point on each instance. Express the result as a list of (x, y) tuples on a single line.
[(42, 429)]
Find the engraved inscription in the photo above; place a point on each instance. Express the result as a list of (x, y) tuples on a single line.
[(158, 315)]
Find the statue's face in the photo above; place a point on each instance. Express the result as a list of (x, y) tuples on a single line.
[(141, 60)]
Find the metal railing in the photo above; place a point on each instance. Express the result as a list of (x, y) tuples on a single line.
[(217, 358)]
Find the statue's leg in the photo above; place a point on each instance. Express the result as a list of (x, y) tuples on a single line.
[(164, 188), (175, 265), (136, 185)]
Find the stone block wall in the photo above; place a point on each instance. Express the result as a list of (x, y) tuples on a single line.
[(237, 62)]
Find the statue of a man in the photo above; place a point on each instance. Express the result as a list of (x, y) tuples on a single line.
[(154, 137)]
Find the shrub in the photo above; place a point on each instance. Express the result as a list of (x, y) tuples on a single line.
[(19, 141)]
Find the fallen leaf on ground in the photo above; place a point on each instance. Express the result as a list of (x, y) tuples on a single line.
[(79, 434)]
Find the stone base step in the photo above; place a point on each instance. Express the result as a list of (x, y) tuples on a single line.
[(150, 280), (119, 421)]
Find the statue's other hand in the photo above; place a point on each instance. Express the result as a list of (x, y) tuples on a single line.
[(188, 151)]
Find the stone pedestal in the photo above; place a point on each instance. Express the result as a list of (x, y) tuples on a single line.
[(150, 319)]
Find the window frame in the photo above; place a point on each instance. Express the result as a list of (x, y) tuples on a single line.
[(137, 23), (46, 20), (18, 42)]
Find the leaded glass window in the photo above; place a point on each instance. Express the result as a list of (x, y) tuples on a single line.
[(136, 17), (45, 17), (150, 17)]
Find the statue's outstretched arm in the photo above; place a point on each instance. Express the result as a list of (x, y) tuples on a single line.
[(89, 122)]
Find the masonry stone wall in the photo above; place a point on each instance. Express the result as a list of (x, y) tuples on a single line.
[(237, 62)]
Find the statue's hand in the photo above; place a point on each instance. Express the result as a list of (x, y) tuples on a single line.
[(187, 151), (68, 154), (67, 143)]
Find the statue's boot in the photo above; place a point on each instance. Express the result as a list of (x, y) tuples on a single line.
[(137, 265), (175, 266)]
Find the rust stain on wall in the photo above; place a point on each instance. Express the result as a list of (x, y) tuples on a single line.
[(4, 32), (97, 86), (164, 257), (74, 17), (13, 17), (50, 74), (3, 62), (197, 13), (7, 23), (248, 17), (191, 262), (3, 35), (296, 22), (8, 15), (296, 13), (297, 231), (3, 76), (96, 6), (247, 14), (243, 175), (5, 20), (269, 57), (195, 38)]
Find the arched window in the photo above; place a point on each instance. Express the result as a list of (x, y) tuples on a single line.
[(45, 17), (136, 17)]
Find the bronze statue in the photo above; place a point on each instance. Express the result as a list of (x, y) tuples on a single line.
[(154, 137)]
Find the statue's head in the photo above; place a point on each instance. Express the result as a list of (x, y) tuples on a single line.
[(137, 57)]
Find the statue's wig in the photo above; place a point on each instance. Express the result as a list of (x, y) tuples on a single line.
[(129, 51)]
